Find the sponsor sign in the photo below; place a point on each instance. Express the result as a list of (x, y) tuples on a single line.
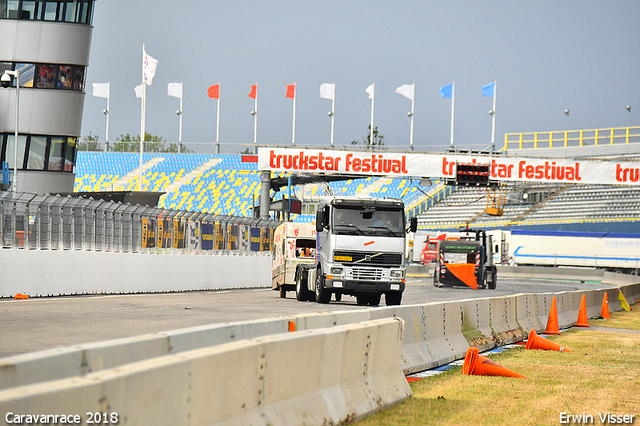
[(444, 166), (207, 236)]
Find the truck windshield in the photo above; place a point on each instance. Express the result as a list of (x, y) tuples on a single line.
[(368, 220)]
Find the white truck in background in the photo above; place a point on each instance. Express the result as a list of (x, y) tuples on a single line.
[(360, 251), (293, 244)]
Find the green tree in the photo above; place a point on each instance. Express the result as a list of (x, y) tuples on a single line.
[(378, 139), (90, 143), (152, 143)]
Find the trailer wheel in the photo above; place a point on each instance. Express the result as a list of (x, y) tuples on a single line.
[(302, 294), (362, 299), (322, 294), (393, 298), (282, 291), (338, 296)]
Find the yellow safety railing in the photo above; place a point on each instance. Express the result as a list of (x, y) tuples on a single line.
[(572, 138)]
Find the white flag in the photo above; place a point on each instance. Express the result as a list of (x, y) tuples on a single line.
[(407, 90), (328, 91), (149, 66), (175, 90), (138, 90), (371, 90), (101, 90)]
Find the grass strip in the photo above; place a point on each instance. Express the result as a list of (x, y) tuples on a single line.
[(601, 376)]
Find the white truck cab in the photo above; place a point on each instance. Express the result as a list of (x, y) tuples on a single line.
[(360, 251)]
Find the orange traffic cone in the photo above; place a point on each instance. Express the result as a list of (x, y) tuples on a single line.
[(538, 342), (552, 323), (478, 365), (582, 315), (21, 296), (604, 313)]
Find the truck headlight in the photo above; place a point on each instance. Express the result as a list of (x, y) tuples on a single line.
[(397, 273), (336, 271)]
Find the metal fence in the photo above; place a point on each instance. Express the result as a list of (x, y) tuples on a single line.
[(53, 222)]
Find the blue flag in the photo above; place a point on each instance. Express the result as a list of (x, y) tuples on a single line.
[(488, 89), (446, 91)]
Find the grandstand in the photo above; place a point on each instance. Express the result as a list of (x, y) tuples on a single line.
[(223, 184), (215, 183)]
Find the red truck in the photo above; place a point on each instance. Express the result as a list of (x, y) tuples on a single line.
[(430, 252)]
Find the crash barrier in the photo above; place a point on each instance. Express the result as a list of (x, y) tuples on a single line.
[(435, 333), (62, 272), (553, 273), (316, 377), (53, 222)]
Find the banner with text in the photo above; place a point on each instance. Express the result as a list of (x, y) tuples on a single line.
[(392, 164)]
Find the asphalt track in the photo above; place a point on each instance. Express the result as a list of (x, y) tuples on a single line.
[(44, 323)]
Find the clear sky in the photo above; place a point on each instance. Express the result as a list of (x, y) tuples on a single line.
[(546, 56)]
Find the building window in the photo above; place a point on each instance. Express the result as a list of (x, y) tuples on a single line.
[(46, 76), (37, 152), (75, 11), (70, 154), (10, 153), (50, 11)]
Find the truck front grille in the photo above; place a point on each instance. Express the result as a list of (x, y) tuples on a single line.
[(366, 274), (366, 258)]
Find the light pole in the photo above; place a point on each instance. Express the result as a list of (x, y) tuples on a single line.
[(6, 82)]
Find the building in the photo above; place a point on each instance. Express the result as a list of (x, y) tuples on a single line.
[(48, 42)]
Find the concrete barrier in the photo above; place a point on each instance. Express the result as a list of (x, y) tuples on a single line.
[(419, 350), (326, 376), (527, 313), (476, 323), (435, 334), (568, 308), (551, 273), (614, 303), (594, 303), (65, 272), (503, 320)]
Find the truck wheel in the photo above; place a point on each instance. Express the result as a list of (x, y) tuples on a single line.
[(283, 292), (362, 299), (374, 299), (338, 296), (322, 294), (494, 278), (483, 284), (302, 294), (393, 298)]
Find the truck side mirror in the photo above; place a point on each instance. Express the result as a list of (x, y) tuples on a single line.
[(414, 224), (319, 220)]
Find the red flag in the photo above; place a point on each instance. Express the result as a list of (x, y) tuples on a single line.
[(214, 91), (254, 91), (291, 91)]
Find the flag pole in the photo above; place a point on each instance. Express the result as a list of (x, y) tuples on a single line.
[(493, 117), (453, 107), (413, 104), (180, 132), (142, 121), (218, 123), (255, 122), (107, 111), (293, 130), (373, 97), (333, 109)]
